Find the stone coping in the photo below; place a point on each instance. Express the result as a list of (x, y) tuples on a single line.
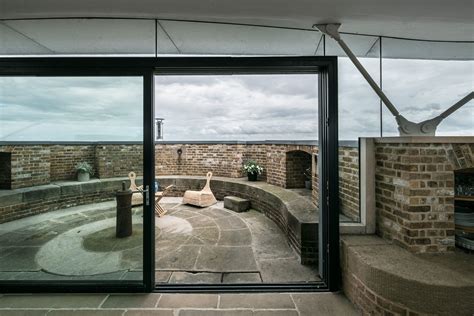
[(57, 189), (427, 283), (342, 143), (423, 139)]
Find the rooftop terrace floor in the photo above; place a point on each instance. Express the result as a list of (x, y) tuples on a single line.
[(193, 245)]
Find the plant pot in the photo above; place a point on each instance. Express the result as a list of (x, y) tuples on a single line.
[(83, 176), (252, 176), (307, 184)]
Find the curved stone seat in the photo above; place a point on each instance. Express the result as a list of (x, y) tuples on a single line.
[(378, 276), (296, 216), (18, 203)]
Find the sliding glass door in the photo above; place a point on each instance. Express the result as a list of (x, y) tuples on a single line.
[(73, 158), (89, 182)]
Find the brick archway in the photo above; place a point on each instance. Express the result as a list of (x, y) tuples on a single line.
[(297, 163)]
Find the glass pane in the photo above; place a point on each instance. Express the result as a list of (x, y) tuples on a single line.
[(77, 37), (263, 231), (359, 115), (60, 215), (211, 38), (450, 78)]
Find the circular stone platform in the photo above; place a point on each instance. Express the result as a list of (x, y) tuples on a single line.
[(193, 245)]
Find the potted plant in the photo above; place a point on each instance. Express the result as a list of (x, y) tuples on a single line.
[(84, 171), (307, 182), (253, 170)]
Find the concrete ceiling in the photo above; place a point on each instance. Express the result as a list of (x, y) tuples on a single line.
[(421, 19)]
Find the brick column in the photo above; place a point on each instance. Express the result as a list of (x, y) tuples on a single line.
[(415, 192)]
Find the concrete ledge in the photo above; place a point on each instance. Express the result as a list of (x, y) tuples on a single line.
[(380, 277)]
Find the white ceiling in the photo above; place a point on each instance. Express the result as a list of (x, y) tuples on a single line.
[(422, 19)]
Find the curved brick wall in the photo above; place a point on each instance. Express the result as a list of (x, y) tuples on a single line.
[(38, 164), (297, 218)]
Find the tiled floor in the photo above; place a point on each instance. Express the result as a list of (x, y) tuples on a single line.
[(272, 304)]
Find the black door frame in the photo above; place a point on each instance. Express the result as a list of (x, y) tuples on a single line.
[(147, 67)]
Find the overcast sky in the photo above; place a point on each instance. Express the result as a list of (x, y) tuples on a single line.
[(257, 107)]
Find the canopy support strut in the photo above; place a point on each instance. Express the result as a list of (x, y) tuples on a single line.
[(405, 127)]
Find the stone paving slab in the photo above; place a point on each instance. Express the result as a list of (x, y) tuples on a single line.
[(51, 301), (255, 304), (188, 301), (286, 270), (195, 278), (261, 301), (131, 301), (79, 243), (222, 259)]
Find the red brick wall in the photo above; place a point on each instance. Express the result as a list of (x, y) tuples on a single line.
[(117, 160), (415, 192), (349, 182), (258, 153), (41, 164), (29, 165), (276, 161), (223, 160), (64, 158)]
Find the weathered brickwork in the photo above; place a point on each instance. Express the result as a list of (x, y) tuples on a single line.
[(284, 164), (277, 163), (223, 160), (64, 158), (415, 193), (29, 165), (258, 153), (118, 160), (349, 182)]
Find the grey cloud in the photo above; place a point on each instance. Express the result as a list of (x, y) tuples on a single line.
[(239, 107)]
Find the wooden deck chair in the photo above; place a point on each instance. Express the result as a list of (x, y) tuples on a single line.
[(202, 198), (159, 211), (137, 198)]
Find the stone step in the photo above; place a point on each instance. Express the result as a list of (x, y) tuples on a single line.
[(236, 204)]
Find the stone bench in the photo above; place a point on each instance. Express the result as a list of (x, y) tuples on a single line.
[(236, 204), (19, 203), (382, 278)]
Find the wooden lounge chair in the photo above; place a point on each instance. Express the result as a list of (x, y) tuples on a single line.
[(202, 198), (137, 197)]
